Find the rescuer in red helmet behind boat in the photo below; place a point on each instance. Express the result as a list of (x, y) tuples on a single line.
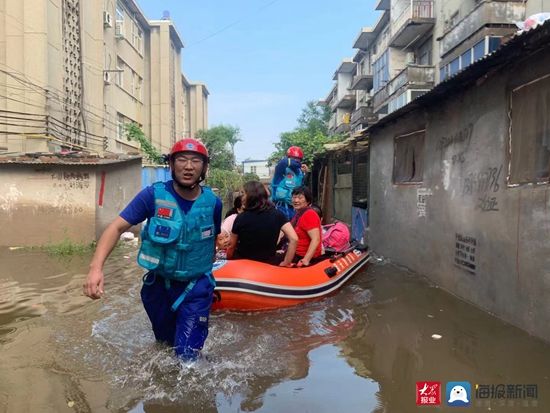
[(177, 248), (289, 174)]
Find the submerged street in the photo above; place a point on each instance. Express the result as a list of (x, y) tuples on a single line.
[(361, 350)]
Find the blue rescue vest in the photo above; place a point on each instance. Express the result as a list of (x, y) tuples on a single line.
[(282, 192), (175, 245)]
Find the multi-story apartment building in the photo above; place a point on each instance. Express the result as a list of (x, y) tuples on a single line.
[(195, 106), (416, 44), (341, 98), (73, 73), (258, 167)]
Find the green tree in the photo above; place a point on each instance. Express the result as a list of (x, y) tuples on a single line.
[(225, 183), (249, 176), (310, 134), (314, 118), (220, 141), (134, 133)]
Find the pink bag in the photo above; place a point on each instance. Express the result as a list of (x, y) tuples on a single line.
[(336, 236)]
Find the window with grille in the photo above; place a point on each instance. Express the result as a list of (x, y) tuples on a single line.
[(408, 161), (360, 179), (530, 132), (343, 163)]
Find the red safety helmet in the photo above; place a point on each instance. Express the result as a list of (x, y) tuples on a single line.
[(295, 152), (190, 145)]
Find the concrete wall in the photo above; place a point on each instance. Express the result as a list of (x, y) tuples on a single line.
[(46, 203), (464, 205), (122, 181)]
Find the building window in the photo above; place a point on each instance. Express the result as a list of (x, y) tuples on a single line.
[(381, 72), (120, 72), (408, 160), (253, 169), (120, 126), (454, 67), (119, 13), (397, 102), (424, 53), (443, 73), (466, 59), (494, 44), (137, 37), (530, 133), (360, 179), (479, 50), (119, 23), (485, 46)]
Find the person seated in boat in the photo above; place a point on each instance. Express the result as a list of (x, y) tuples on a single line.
[(256, 230), (307, 225), (237, 206), (227, 224)]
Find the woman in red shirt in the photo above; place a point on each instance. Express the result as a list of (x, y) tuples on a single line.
[(307, 225)]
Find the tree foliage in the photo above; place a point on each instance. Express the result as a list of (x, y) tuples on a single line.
[(250, 176), (226, 182), (220, 141), (310, 134), (134, 133)]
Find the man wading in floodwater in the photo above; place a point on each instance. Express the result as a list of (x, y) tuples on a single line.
[(178, 246)]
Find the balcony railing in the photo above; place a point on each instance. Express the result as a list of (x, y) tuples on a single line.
[(344, 102), (415, 20), (411, 76), (498, 13), (363, 114), (417, 9), (361, 82)]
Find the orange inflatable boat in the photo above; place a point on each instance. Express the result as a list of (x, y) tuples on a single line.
[(246, 285)]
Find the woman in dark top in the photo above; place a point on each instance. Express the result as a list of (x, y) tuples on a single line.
[(256, 230)]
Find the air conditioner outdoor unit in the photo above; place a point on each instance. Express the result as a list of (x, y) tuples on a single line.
[(107, 78), (119, 29), (107, 19)]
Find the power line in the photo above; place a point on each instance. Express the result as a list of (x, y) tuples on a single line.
[(103, 119), (233, 24), (53, 94)]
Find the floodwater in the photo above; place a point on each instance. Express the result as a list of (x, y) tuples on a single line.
[(361, 350)]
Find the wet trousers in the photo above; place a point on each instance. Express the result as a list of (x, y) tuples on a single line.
[(186, 328)]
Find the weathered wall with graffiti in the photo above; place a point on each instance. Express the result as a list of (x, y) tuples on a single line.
[(464, 225), (47, 203)]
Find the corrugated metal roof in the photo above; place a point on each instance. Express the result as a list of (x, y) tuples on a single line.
[(521, 45)]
